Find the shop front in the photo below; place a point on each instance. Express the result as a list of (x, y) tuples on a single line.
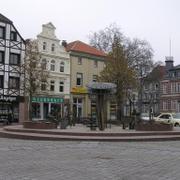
[(43, 106), (9, 108), (79, 102)]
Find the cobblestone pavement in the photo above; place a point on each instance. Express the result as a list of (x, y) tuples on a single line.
[(45, 160)]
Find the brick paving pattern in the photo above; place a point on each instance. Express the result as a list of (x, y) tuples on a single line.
[(45, 160)]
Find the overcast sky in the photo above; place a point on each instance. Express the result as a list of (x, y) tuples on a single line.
[(154, 20)]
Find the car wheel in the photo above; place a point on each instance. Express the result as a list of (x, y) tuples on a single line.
[(176, 124)]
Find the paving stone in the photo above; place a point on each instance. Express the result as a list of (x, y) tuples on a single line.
[(46, 160)]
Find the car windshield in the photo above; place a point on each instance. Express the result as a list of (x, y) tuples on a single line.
[(176, 116)]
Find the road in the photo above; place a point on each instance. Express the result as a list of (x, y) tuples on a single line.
[(45, 160)]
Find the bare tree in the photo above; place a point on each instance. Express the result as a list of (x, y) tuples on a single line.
[(117, 71), (138, 52), (103, 39), (35, 73)]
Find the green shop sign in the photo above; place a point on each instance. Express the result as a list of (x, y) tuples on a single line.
[(47, 100)]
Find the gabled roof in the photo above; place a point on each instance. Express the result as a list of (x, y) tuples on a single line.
[(50, 25), (5, 19), (79, 46)]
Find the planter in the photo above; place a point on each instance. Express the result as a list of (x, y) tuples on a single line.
[(153, 126), (39, 125)]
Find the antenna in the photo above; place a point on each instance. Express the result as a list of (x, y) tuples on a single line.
[(170, 47)]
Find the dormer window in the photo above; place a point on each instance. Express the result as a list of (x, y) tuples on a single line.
[(53, 47), (44, 45)]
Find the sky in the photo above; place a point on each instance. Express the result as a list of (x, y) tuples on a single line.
[(156, 21)]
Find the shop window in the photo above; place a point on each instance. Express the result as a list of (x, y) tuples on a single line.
[(52, 65), (79, 79), (14, 59), (14, 83), (77, 107), (62, 67), (52, 86), (2, 57), (36, 110), (2, 32), (61, 86)]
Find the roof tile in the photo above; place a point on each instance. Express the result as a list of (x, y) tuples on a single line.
[(80, 46)]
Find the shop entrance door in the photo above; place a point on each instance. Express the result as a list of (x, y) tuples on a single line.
[(77, 107)]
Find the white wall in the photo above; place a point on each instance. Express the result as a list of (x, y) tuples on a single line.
[(58, 55)]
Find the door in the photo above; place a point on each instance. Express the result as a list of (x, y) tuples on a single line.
[(77, 107)]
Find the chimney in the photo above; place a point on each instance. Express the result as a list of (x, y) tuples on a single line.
[(64, 43), (169, 62)]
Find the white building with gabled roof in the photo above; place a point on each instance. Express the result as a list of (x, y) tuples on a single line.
[(54, 97)]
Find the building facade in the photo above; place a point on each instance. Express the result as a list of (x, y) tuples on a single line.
[(170, 88), (12, 51), (86, 64), (152, 91), (56, 60)]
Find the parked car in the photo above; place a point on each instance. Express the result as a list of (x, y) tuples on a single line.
[(144, 116), (173, 118)]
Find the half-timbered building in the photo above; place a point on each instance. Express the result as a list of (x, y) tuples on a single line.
[(12, 48)]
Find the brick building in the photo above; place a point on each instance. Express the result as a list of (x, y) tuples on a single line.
[(170, 88)]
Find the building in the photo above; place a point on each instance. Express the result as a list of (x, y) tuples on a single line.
[(170, 87), (56, 60), (86, 64), (151, 90), (12, 50)]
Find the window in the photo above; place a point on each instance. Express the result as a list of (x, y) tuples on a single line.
[(61, 86), (2, 57), (165, 88), (13, 36), (44, 45), (79, 60), (79, 79), (52, 65), (2, 32), (62, 67), (53, 47), (94, 78), (43, 64), (52, 86), (36, 110), (1, 81), (13, 82), (14, 59), (165, 105), (95, 64), (43, 86)]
